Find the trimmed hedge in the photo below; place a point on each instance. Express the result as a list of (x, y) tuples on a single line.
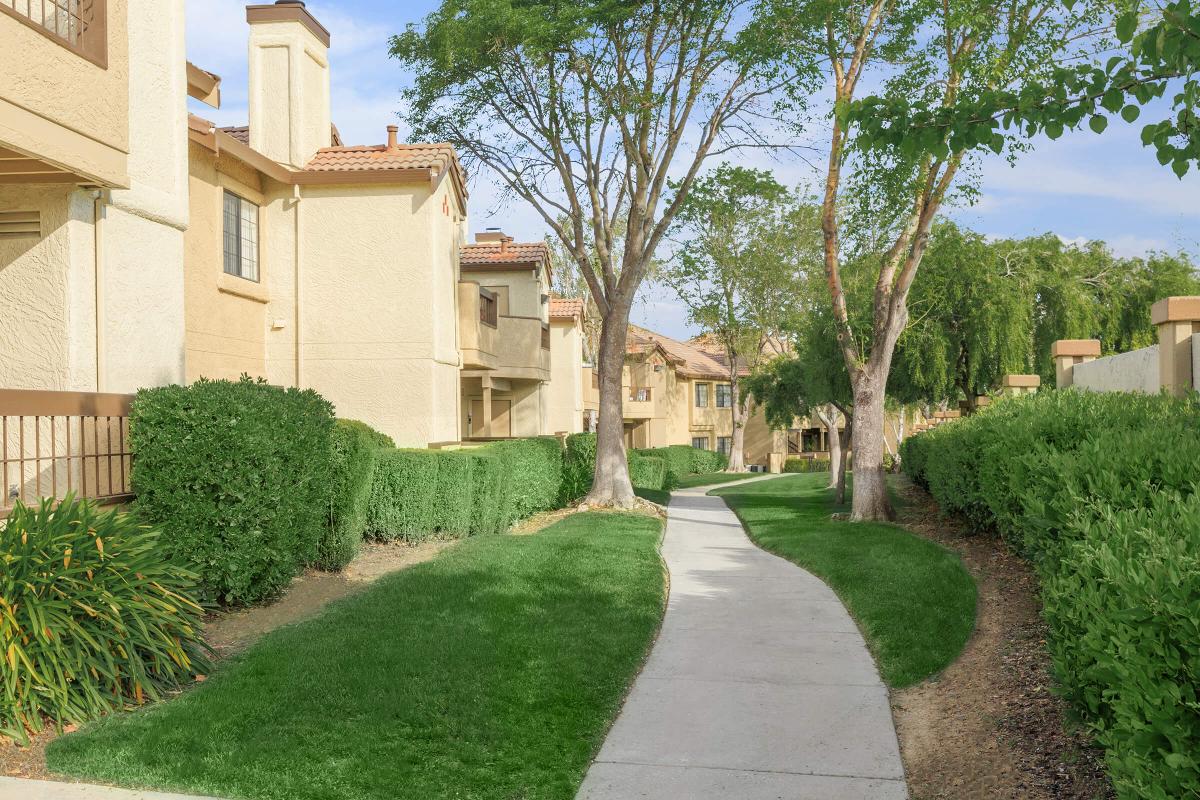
[(355, 451), (1100, 492), (533, 472), (236, 474), (806, 465), (404, 493), (647, 472)]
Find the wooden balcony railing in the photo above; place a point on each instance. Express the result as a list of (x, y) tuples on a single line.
[(52, 443), (81, 26), (545, 336)]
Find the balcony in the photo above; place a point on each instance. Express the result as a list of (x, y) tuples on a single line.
[(478, 326), (639, 403), (523, 348), (64, 114)]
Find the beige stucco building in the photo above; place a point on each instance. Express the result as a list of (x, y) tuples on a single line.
[(93, 194)]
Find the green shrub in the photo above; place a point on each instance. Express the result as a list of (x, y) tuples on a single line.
[(453, 499), (579, 465), (403, 495), (93, 616), (533, 472), (1099, 491), (806, 465), (705, 461), (647, 472), (677, 462), (237, 475), (352, 470), (487, 491)]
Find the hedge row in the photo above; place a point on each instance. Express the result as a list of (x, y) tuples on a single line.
[(355, 451), (656, 468), (805, 465), (236, 475), (1100, 492)]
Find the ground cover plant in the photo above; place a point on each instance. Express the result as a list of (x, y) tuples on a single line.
[(1099, 492), (238, 473), (93, 618), (493, 671), (913, 599)]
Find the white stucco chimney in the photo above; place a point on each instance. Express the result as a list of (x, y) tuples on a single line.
[(289, 82)]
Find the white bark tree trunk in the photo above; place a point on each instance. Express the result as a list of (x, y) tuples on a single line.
[(870, 496), (830, 419)]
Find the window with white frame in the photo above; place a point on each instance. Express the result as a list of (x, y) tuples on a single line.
[(241, 237), (701, 395), (700, 442), (724, 444), (724, 395)]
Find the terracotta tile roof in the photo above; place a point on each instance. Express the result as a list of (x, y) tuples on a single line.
[(526, 255), (378, 156), (566, 307), (239, 132), (689, 359), (242, 134)]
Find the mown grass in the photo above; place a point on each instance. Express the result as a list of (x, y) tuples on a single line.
[(493, 671), (711, 478), (913, 599)]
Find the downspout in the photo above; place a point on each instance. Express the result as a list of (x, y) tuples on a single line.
[(298, 288), (99, 214)]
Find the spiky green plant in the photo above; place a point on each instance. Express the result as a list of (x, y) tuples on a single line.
[(92, 618)]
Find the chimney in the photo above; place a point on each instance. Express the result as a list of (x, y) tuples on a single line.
[(289, 82), (392, 131), (491, 235), (505, 241)]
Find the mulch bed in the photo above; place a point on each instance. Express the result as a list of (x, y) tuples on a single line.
[(990, 725)]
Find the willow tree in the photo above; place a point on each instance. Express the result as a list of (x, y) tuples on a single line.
[(923, 54), (742, 243), (584, 110)]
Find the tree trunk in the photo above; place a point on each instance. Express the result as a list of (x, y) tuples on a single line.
[(830, 419), (611, 485), (870, 496), (741, 410)]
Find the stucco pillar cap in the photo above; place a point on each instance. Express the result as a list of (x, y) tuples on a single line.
[(1075, 347), (1022, 381), (1175, 309)]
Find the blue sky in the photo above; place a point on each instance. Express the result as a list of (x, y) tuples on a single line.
[(1080, 187)]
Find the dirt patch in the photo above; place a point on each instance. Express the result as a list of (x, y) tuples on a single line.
[(990, 726), (233, 631)]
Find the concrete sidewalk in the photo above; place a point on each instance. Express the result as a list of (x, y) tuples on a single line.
[(22, 789), (760, 686)]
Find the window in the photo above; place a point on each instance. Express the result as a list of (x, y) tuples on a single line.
[(487, 308), (701, 395), (700, 442), (724, 444), (241, 237), (639, 395), (724, 395)]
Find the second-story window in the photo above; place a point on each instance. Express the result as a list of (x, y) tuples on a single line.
[(241, 237), (724, 395), (702, 395), (641, 395)]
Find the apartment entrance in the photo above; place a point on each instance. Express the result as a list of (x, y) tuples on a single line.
[(501, 418)]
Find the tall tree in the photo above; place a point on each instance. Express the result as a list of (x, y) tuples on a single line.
[(584, 110), (742, 244), (926, 55)]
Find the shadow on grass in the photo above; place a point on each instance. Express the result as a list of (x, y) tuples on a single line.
[(913, 599), (493, 671)]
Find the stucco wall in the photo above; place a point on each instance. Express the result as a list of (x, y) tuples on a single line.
[(289, 92), (226, 316), (1135, 371), (47, 292), (524, 288), (565, 390), (83, 102)]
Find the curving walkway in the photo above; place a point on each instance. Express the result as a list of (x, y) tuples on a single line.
[(759, 687)]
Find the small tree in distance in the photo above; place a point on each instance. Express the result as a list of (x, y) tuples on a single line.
[(742, 243)]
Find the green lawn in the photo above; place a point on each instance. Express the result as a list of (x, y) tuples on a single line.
[(707, 479), (913, 599), (493, 671)]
